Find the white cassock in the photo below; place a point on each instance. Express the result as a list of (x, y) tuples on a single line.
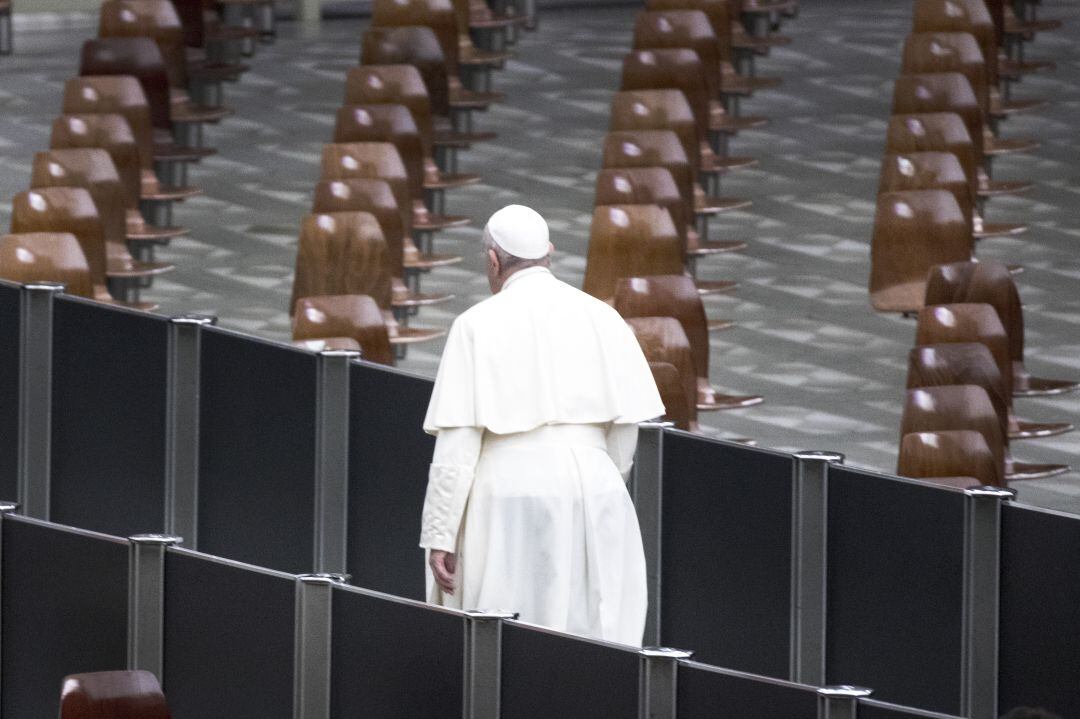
[(535, 409)]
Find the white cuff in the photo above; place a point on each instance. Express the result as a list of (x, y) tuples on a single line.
[(447, 492)]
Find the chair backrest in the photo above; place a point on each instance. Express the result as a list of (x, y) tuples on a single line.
[(677, 408), (355, 316), (46, 257), (934, 132), (66, 210), (630, 241), (674, 29), (967, 322), (660, 110), (928, 52), (92, 169), (414, 45), (119, 94), (391, 85), (651, 148), (112, 695), (955, 453), (155, 19), (951, 407), (987, 282), (387, 123), (373, 196), (438, 15), (662, 340), (718, 12), (941, 92), (673, 296), (139, 57), (913, 231), (958, 363), (929, 171), (645, 186), (107, 132), (971, 16), (342, 253)]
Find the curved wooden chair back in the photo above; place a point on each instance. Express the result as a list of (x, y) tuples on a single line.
[(967, 322), (413, 45), (952, 407), (630, 241), (929, 52), (154, 19), (982, 282), (92, 169), (959, 363), (913, 231), (645, 186), (651, 148), (107, 132), (971, 16), (673, 296), (391, 85), (659, 110), (941, 92), (342, 253), (355, 316), (373, 196), (929, 171), (934, 132), (719, 15), (112, 695), (369, 160), (192, 17), (662, 340), (677, 410), (66, 210), (139, 57), (955, 453), (670, 69), (388, 123), (438, 15), (119, 94), (46, 257), (675, 29)]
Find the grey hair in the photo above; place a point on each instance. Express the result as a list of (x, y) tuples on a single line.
[(511, 263)]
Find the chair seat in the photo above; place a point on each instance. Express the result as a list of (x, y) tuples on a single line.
[(411, 335), (452, 138), (1020, 471), (168, 152), (426, 262), (901, 297), (448, 181), (169, 194), (132, 269), (702, 248), (715, 287), (474, 56), (431, 223), (1000, 229), (719, 325), (149, 233), (1033, 430), (188, 113), (141, 306), (763, 7), (1025, 385), (716, 205), (993, 188), (463, 99), (420, 299), (709, 400), (713, 165), (1008, 145), (1001, 108), (1013, 69)]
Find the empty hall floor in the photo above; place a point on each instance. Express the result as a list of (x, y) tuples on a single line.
[(831, 370)]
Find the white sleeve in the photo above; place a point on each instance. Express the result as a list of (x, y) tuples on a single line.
[(621, 444), (450, 479)]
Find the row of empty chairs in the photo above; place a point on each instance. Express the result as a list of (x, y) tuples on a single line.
[(968, 361)]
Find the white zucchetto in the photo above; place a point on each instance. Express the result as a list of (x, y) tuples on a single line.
[(519, 230)]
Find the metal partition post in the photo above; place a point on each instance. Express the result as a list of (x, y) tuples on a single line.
[(809, 509), (146, 601), (182, 427), (5, 508), (646, 489), (332, 459), (840, 702), (35, 396), (311, 667), (483, 663), (982, 577), (657, 682)]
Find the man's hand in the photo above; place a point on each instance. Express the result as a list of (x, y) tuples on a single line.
[(443, 565)]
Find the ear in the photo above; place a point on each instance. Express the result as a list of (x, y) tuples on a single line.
[(493, 260)]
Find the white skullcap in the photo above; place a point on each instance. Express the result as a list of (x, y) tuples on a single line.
[(520, 231)]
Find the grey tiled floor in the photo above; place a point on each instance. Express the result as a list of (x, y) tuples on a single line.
[(830, 369)]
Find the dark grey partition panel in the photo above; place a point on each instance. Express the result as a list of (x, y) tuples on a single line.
[(9, 390), (108, 427), (257, 451), (394, 658), (229, 632), (706, 692), (870, 709), (546, 674), (1040, 611), (726, 568), (388, 465), (65, 594), (895, 588)]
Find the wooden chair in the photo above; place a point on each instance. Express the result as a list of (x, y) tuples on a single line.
[(345, 253), (47, 257), (677, 409), (971, 322), (442, 18), (662, 340), (990, 283), (913, 231), (357, 317), (676, 296), (690, 29), (112, 695), (958, 458), (941, 171), (946, 132), (636, 241)]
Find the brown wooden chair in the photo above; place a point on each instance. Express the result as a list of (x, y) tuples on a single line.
[(327, 343), (690, 29), (676, 296), (941, 171), (112, 695), (46, 257), (636, 241), (990, 283), (357, 317), (345, 253), (958, 458), (662, 340), (677, 409), (442, 18), (976, 322), (913, 231)]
